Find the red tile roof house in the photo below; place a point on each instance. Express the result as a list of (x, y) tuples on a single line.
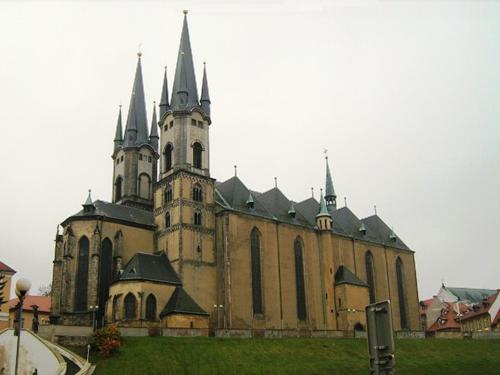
[(482, 316), (43, 304)]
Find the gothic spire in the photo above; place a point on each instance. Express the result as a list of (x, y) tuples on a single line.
[(323, 211), (330, 196), (119, 132), (164, 105), (205, 96), (184, 91), (153, 136), (136, 130)]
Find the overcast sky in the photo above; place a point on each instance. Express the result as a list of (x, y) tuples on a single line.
[(404, 95)]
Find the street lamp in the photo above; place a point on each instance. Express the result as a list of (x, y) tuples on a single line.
[(22, 287), (93, 309)]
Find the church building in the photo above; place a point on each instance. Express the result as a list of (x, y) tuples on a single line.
[(176, 248)]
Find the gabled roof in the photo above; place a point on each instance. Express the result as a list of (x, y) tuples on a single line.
[(6, 268), (446, 320), (471, 294), (181, 303), (43, 303), (345, 222), (278, 205), (150, 267), (119, 212), (308, 208), (345, 276), (381, 232)]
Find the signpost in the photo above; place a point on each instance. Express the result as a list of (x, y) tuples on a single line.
[(380, 338)]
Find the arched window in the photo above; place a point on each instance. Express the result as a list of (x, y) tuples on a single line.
[(130, 306), (167, 220), (144, 186), (105, 276), (118, 188), (197, 149), (369, 275), (114, 309), (168, 194), (167, 155), (256, 276), (197, 218), (299, 280), (151, 307), (197, 193), (401, 293), (82, 275)]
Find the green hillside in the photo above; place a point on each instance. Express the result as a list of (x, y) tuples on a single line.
[(165, 355)]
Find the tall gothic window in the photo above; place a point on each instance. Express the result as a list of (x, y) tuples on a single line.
[(168, 194), (197, 149), (167, 220), (197, 218), (114, 310), (130, 306), (144, 186), (105, 276), (256, 274), (401, 293), (151, 307), (299, 280), (369, 275), (118, 188), (167, 155), (82, 275), (197, 193)]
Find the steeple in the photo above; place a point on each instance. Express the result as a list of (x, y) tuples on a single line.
[(205, 96), (88, 206), (119, 132), (164, 106), (330, 196), (184, 91), (136, 130), (323, 218), (153, 136)]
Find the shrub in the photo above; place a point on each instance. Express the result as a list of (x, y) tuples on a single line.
[(106, 340)]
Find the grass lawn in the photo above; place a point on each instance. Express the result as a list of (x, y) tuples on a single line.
[(166, 355)]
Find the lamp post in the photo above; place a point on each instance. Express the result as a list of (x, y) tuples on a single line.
[(22, 287), (93, 309)]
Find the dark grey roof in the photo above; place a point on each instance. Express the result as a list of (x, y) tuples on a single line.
[(345, 276), (345, 222), (278, 205), (181, 303), (153, 136), (136, 130), (150, 267), (378, 231), (184, 79), (117, 212), (308, 208), (164, 105), (471, 294)]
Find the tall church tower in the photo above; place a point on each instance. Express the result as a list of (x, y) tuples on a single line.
[(184, 196), (135, 153)]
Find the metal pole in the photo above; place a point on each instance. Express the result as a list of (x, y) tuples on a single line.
[(20, 325)]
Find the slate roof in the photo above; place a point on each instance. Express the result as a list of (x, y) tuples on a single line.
[(181, 303), (232, 194), (119, 212), (471, 294), (150, 267), (344, 276)]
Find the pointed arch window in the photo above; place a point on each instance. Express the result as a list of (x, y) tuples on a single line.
[(197, 150), (197, 193), (168, 194), (197, 218), (167, 155), (105, 275), (256, 271), (130, 305), (167, 220), (299, 280), (118, 188), (369, 275), (401, 293), (151, 307), (114, 309), (82, 275)]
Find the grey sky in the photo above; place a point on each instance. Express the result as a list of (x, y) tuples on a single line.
[(404, 95)]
